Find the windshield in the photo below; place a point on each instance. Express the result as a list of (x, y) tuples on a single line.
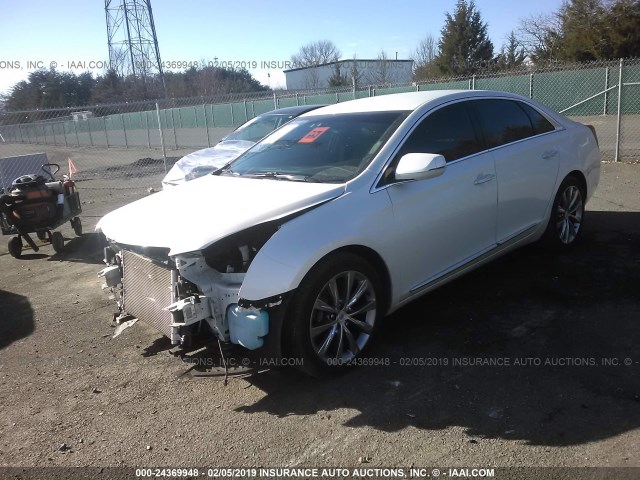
[(259, 127), (331, 148)]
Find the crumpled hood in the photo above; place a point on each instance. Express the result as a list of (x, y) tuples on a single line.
[(192, 216), (207, 160)]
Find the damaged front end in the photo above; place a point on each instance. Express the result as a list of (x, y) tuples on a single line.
[(179, 295)]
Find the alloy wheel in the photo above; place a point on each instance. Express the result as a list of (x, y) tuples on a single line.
[(343, 317)]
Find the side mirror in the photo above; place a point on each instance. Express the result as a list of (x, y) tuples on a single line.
[(418, 166)]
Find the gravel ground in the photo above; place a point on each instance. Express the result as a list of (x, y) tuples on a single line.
[(561, 329)]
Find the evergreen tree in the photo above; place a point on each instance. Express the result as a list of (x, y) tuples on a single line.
[(583, 31), (337, 79), (464, 46), (623, 20), (512, 54)]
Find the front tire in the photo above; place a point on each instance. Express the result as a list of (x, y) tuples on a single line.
[(76, 224), (334, 314), (567, 215), (15, 247)]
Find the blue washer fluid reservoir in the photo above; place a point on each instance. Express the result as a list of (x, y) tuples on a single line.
[(247, 327)]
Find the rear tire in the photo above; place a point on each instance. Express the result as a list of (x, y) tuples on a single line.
[(15, 247), (334, 314), (567, 216), (57, 241)]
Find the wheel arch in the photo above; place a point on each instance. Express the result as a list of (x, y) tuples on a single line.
[(377, 262), (581, 178)]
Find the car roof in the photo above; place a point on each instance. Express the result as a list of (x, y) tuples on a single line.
[(407, 101), (297, 110)]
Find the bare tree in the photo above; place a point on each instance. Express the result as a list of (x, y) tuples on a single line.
[(382, 73), (426, 52), (355, 73), (316, 53), (540, 37), (424, 65), (311, 56)]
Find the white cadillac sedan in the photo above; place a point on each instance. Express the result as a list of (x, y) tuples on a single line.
[(304, 243)]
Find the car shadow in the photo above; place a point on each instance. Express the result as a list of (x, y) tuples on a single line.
[(16, 318), (535, 347)]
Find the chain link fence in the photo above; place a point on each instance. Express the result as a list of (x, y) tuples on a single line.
[(122, 151)]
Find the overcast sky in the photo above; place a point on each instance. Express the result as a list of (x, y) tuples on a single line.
[(70, 32)]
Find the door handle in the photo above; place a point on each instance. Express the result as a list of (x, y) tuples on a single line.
[(549, 154), (484, 178)]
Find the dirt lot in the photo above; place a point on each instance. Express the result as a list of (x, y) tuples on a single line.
[(560, 328)]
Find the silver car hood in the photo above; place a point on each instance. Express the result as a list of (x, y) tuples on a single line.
[(192, 216), (211, 158)]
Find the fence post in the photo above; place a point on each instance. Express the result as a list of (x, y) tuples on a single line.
[(618, 121), (75, 128), (297, 100), (275, 100), (106, 134), (195, 116), (246, 113), (337, 98), (173, 124), (64, 132), (531, 85), (44, 133), (146, 123), (206, 124), (233, 120), (606, 91), (89, 127), (164, 153), (124, 129)]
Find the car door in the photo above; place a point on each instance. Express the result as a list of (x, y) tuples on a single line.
[(526, 156), (444, 221)]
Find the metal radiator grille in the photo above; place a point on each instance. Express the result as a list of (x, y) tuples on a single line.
[(147, 291)]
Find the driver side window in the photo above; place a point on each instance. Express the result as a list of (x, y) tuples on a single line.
[(448, 131)]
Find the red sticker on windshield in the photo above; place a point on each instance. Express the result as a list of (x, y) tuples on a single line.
[(313, 135)]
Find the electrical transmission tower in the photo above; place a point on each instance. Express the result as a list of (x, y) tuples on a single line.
[(132, 39)]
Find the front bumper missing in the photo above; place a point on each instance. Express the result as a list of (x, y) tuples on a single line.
[(149, 291)]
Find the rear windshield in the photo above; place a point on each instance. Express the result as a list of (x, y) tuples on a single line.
[(259, 127)]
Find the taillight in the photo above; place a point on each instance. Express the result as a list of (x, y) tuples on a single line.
[(595, 135)]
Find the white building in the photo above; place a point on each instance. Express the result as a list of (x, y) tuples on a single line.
[(367, 72)]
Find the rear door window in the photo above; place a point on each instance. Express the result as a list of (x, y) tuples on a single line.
[(539, 123), (502, 121)]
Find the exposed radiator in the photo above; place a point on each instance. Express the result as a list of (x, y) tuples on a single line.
[(147, 290)]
